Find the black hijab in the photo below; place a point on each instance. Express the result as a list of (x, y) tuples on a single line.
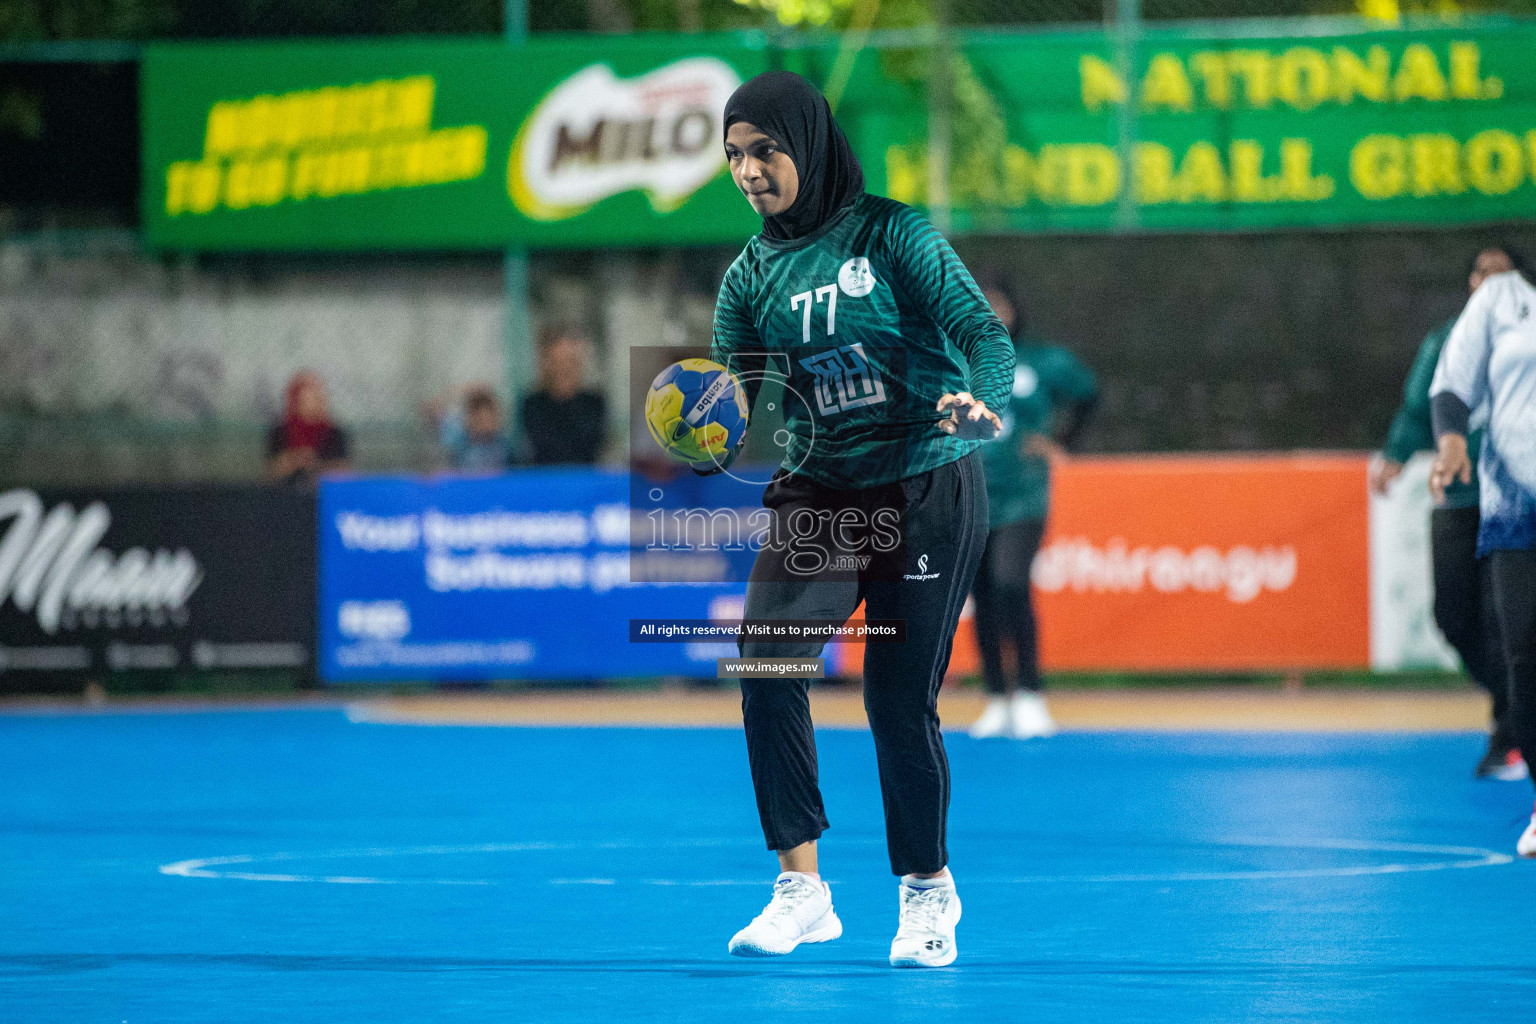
[(793, 113)]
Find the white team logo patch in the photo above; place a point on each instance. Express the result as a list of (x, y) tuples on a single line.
[(856, 279), (1025, 381)]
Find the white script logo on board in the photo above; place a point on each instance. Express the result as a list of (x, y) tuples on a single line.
[(52, 567), (596, 135)]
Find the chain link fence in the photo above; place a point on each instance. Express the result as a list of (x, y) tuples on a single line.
[(116, 370), (120, 365)]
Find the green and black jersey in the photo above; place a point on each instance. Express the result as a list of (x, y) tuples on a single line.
[(854, 318), (1411, 430)]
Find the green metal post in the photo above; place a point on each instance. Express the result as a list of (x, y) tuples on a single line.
[(517, 329), (940, 86), (1126, 36)]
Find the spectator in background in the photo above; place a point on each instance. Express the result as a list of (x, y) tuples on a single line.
[(470, 430), (306, 443), (565, 422), (1053, 397)]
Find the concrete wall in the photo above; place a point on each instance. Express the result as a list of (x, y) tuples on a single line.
[(120, 365), (116, 364)]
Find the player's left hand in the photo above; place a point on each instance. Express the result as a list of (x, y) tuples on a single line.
[(969, 419), (1043, 447)]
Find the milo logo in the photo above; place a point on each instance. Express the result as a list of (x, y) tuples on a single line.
[(596, 135)]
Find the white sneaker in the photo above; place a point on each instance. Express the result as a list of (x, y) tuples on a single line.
[(800, 911), (926, 934), (993, 722), (1029, 718), (1526, 847)]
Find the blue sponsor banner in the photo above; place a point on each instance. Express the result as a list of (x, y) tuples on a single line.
[(531, 575)]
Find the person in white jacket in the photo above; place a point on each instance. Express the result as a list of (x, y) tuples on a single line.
[(1489, 364)]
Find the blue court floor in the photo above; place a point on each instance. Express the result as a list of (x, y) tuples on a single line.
[(292, 866)]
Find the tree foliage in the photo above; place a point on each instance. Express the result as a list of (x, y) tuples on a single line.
[(238, 19)]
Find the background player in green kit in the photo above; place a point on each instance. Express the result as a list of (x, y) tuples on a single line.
[(852, 301), (1464, 608), (1053, 396)]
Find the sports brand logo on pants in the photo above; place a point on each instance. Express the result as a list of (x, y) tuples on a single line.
[(922, 570)]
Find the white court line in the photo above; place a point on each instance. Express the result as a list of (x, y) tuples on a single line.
[(204, 867), (1467, 857), (1477, 857)]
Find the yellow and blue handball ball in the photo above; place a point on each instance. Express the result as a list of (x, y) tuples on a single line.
[(696, 410)]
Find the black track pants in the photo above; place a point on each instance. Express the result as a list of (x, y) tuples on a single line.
[(924, 580), (1514, 591), (1004, 608), (1464, 604)]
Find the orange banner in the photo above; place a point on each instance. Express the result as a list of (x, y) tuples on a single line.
[(1200, 563)]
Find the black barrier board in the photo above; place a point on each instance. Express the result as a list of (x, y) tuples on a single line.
[(197, 578)]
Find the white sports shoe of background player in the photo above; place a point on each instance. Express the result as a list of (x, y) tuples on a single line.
[(1023, 716)]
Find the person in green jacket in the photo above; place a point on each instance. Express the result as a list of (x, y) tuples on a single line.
[(1053, 396), (1463, 607)]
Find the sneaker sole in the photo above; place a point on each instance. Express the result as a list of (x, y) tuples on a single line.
[(912, 961), (826, 933)]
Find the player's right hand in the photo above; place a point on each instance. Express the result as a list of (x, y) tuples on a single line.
[(1452, 463), (969, 419)]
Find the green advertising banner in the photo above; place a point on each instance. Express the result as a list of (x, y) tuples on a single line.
[(1234, 132), (452, 144), (581, 142)]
